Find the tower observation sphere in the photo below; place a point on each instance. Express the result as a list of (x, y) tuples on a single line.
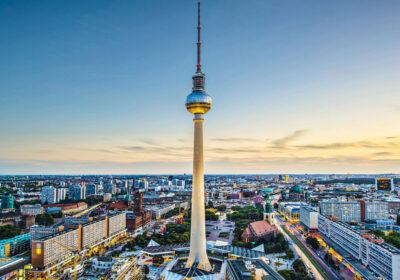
[(198, 102)]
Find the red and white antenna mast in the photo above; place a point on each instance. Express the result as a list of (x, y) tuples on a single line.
[(198, 39)]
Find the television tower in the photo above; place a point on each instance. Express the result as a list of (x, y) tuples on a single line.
[(198, 103)]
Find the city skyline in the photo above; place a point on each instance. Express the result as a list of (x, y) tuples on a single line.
[(95, 88)]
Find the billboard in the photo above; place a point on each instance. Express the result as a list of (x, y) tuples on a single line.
[(384, 184)]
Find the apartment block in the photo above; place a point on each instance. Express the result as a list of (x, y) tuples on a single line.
[(374, 210), (372, 252), (116, 223), (31, 210), (346, 211), (48, 251), (93, 232), (158, 211), (309, 217)]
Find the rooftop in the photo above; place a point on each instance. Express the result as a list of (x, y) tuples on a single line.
[(179, 268)]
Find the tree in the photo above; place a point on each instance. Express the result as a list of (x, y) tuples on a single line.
[(210, 216), (57, 215), (398, 220), (44, 219), (277, 244), (328, 258), (221, 208), (210, 204), (393, 239), (299, 267), (146, 269), (378, 233), (285, 274), (289, 254), (9, 231), (314, 202), (313, 242)]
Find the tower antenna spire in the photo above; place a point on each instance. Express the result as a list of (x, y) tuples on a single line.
[(198, 39)]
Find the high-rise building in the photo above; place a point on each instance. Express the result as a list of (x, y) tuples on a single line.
[(346, 211), (77, 192), (49, 195), (374, 210), (61, 194), (91, 189), (198, 103), (7, 201), (179, 184), (164, 182), (110, 188), (141, 184)]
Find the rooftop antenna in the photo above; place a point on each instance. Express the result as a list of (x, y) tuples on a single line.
[(198, 39)]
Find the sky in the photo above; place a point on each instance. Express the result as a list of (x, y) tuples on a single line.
[(98, 87)]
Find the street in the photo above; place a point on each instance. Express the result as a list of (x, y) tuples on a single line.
[(279, 222)]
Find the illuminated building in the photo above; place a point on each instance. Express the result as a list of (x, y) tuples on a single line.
[(47, 253), (372, 252), (384, 184), (15, 245), (374, 210), (346, 211)]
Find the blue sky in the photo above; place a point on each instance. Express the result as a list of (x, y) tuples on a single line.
[(298, 86)]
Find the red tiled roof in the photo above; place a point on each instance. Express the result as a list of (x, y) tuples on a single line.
[(261, 227), (246, 233)]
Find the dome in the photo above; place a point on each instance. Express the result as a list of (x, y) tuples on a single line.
[(198, 102), (268, 190), (296, 189)]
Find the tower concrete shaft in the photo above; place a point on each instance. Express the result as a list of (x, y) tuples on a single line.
[(198, 253)]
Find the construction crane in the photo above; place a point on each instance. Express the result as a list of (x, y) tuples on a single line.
[(75, 252)]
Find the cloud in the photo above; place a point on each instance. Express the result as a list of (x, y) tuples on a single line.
[(378, 144), (134, 148), (236, 139), (148, 141), (283, 142), (382, 154), (236, 150), (221, 154)]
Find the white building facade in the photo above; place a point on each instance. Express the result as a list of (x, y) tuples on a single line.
[(309, 217), (372, 252)]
